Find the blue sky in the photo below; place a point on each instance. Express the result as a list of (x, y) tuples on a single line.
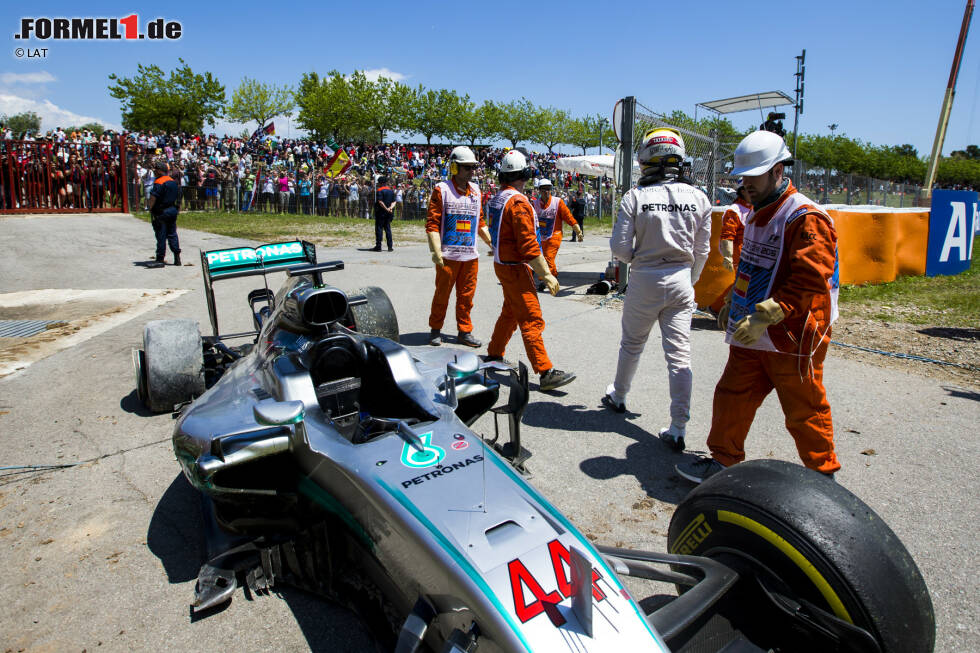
[(877, 69)]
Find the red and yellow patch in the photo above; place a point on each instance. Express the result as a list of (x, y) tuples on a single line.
[(463, 225), (741, 284)]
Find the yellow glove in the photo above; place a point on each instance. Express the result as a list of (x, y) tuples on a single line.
[(750, 328), (540, 267), (578, 232), (727, 249), (435, 246)]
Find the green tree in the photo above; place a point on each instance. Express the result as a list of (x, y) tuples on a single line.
[(182, 101), (958, 170), (326, 108), (552, 126), (515, 121), (910, 151), (384, 106), (584, 133), (438, 113), (475, 122), (258, 101), (971, 152), (19, 123)]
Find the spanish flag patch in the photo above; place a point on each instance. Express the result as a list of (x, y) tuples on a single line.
[(463, 225), (741, 284)]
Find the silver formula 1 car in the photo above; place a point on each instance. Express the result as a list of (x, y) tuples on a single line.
[(332, 458)]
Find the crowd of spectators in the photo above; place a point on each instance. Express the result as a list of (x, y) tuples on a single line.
[(287, 175), (77, 169), (81, 170)]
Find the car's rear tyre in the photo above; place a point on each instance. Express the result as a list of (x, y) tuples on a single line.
[(377, 316), (139, 366), (802, 536), (172, 362)]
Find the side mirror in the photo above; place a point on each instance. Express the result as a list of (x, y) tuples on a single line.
[(466, 363), (279, 413)]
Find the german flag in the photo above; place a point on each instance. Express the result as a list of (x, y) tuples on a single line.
[(337, 165), (268, 129)]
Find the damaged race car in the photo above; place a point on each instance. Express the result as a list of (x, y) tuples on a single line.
[(332, 458)]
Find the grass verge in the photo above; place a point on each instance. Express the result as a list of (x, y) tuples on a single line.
[(272, 227)]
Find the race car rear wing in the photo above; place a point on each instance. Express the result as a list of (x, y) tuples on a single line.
[(247, 261)]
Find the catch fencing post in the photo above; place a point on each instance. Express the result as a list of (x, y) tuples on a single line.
[(626, 169), (712, 167), (123, 171)]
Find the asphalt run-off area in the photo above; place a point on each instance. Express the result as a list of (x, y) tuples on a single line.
[(102, 554)]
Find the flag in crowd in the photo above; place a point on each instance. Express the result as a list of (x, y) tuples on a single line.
[(337, 165), (268, 129)]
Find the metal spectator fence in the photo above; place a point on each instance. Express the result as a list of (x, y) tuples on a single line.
[(833, 187), (826, 186), (62, 177)]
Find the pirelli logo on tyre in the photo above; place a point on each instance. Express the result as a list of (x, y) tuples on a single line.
[(692, 536)]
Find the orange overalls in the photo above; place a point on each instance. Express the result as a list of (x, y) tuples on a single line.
[(458, 226), (790, 254), (512, 228), (550, 234), (733, 229)]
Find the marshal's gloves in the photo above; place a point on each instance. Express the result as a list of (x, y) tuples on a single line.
[(727, 249), (435, 246), (540, 267), (726, 308), (750, 328), (578, 233)]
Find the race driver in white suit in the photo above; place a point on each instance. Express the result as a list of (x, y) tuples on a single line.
[(663, 231)]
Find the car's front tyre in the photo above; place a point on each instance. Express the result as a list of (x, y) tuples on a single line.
[(813, 559)]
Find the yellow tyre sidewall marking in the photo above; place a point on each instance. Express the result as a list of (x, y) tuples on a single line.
[(790, 552)]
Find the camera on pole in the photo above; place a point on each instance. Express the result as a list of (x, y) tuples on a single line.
[(774, 123)]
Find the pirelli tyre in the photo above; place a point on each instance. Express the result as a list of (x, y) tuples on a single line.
[(375, 317), (170, 367), (819, 570)]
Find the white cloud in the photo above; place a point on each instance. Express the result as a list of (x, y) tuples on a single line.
[(374, 73), (51, 114), (43, 77)]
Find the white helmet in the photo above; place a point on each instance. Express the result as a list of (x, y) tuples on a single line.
[(513, 161), (661, 143), (759, 152), (462, 154), (543, 181)]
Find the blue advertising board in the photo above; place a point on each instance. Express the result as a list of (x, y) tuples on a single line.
[(953, 220)]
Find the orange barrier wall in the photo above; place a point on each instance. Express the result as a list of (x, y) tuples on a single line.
[(873, 245)]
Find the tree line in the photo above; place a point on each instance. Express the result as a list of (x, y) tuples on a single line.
[(29, 122), (354, 108)]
